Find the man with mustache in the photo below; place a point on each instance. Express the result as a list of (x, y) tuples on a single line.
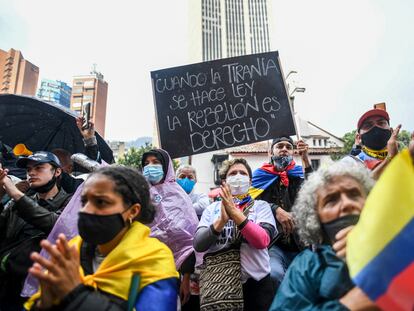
[(278, 183)]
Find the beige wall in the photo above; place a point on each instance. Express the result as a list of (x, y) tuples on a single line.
[(95, 91), (21, 74)]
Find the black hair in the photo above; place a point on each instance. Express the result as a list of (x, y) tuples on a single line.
[(162, 156), (225, 167), (132, 187), (279, 139)]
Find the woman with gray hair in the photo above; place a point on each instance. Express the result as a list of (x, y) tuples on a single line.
[(186, 177), (327, 207)]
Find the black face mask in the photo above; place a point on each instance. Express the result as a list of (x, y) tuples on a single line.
[(99, 229), (376, 138), (46, 187), (330, 229)]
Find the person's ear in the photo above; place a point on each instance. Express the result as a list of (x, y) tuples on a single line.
[(358, 139), (58, 172), (134, 211)]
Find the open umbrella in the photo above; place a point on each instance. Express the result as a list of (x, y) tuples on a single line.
[(42, 126)]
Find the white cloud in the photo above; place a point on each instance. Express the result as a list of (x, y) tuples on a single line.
[(337, 47)]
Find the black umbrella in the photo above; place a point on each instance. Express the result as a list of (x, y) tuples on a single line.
[(42, 126)]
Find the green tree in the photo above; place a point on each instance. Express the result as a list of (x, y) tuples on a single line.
[(404, 138), (349, 140), (133, 156)]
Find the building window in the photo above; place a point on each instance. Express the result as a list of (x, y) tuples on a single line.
[(89, 84), (315, 164), (77, 90), (314, 142), (78, 83)]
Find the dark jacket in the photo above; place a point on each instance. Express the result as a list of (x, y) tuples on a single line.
[(315, 280), (277, 195), (23, 224)]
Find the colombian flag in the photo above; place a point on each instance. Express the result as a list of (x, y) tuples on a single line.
[(380, 251), (264, 176)]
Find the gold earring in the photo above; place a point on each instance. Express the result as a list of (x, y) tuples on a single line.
[(130, 221)]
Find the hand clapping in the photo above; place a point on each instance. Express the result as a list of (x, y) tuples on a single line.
[(62, 271)]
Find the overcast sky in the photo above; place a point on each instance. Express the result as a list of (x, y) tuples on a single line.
[(348, 54)]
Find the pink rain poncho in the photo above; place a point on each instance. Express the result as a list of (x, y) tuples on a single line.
[(175, 220), (67, 223)]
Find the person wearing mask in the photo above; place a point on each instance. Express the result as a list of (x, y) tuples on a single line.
[(175, 220), (113, 264), (325, 211), (235, 233), (379, 142), (25, 220), (278, 183), (187, 179)]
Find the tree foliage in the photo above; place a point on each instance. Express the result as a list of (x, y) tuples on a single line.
[(404, 138), (133, 156)]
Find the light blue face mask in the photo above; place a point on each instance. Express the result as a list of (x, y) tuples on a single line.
[(187, 184), (153, 173)]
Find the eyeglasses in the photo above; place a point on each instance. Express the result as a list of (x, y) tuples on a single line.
[(284, 145)]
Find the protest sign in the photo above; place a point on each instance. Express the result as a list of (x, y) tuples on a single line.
[(221, 104)]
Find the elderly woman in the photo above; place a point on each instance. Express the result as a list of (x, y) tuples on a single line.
[(187, 179), (327, 207), (235, 233)]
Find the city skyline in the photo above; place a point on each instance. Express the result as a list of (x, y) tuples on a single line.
[(348, 56)]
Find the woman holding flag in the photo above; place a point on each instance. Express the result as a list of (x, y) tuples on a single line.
[(235, 233)]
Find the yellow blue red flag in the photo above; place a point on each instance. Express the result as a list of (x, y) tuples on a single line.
[(380, 249)]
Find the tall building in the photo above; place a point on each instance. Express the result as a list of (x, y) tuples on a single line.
[(227, 28), (55, 91), (17, 75), (91, 88)]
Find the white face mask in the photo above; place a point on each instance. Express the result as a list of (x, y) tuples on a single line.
[(239, 184)]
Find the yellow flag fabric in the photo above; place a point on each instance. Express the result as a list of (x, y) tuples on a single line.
[(137, 253), (380, 249), (388, 209)]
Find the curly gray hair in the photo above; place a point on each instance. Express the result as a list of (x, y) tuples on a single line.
[(304, 210)]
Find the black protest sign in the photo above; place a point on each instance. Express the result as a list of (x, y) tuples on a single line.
[(221, 104)]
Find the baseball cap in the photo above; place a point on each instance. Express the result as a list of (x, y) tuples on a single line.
[(371, 113), (39, 157)]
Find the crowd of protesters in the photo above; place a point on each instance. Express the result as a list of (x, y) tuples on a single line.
[(126, 239)]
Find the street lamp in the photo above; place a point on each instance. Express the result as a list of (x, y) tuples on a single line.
[(290, 72), (292, 97), (297, 89)]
